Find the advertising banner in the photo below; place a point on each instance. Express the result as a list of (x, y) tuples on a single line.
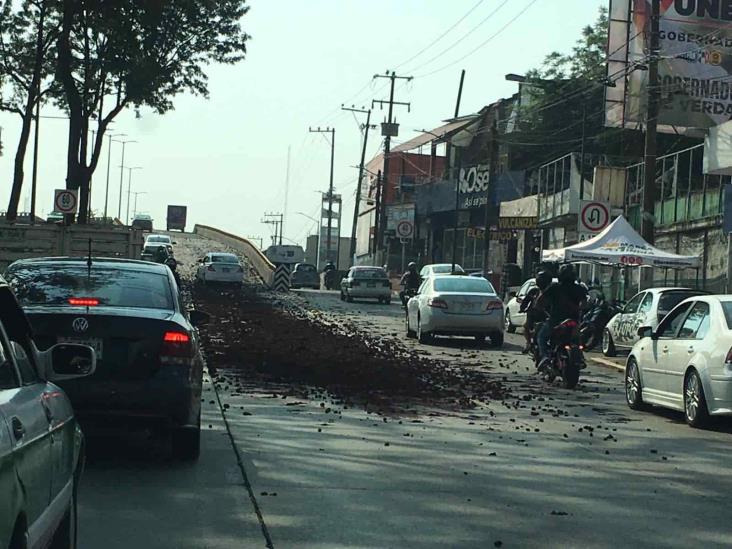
[(473, 182), (695, 67)]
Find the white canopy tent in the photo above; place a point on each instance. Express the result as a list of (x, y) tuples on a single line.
[(619, 244)]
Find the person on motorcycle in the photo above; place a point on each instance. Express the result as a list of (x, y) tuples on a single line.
[(329, 267), (562, 300), (530, 306), (173, 266), (162, 254), (410, 281)]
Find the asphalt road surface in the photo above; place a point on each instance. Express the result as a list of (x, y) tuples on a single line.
[(548, 468)]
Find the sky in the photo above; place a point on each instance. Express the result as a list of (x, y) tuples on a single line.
[(226, 157)]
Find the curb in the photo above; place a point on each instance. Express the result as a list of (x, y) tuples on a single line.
[(608, 363)]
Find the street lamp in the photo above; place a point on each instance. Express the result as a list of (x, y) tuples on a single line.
[(109, 160), (129, 190), (121, 175), (134, 210)]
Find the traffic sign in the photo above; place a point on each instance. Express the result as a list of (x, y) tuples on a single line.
[(65, 201), (594, 216), (405, 229)]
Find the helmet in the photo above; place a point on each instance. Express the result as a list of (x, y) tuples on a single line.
[(543, 280), (567, 273), (412, 266), (172, 263)]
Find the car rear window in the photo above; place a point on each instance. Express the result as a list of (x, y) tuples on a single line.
[(57, 284), (727, 308), (158, 239), (306, 268), (464, 285), (446, 269), (669, 300), (369, 273), (224, 258)]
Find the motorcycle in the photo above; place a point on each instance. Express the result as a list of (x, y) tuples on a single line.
[(565, 358), (594, 321), (406, 294)]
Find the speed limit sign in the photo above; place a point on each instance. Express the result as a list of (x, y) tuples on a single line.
[(405, 229), (594, 216), (65, 201)]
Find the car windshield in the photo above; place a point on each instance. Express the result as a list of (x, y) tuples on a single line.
[(446, 269), (464, 285), (224, 258), (306, 268), (158, 239), (369, 273), (53, 284), (669, 300)]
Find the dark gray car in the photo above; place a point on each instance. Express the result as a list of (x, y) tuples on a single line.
[(305, 275)]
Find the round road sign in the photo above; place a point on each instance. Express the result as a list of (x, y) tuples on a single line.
[(65, 201), (594, 217), (405, 229)]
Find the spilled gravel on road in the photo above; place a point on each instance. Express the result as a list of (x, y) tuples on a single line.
[(275, 339)]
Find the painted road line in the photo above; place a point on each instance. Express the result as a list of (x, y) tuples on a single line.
[(609, 363)]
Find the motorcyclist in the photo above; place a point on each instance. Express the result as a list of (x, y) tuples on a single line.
[(410, 281), (173, 266), (329, 267), (162, 254), (530, 306), (562, 300), (329, 273)]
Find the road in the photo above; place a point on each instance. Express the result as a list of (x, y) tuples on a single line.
[(545, 468)]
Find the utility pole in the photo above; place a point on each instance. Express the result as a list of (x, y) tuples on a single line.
[(582, 152), (276, 219), (331, 131), (138, 193), (649, 187), (121, 177), (377, 215), (129, 190), (352, 251), (488, 203), (109, 162), (34, 178), (389, 129)]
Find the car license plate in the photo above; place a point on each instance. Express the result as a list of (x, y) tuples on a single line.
[(93, 342), (467, 306), (371, 284)]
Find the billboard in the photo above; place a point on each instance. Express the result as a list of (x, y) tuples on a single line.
[(695, 66), (473, 182)]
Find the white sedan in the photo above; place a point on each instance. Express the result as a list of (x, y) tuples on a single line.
[(220, 267), (456, 305), (434, 269), (686, 363), (647, 308)]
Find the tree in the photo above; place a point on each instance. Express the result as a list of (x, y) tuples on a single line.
[(27, 35), (113, 55)]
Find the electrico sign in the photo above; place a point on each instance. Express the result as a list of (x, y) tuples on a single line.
[(473, 184), (695, 64)]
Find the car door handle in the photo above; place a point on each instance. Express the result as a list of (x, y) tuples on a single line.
[(664, 350), (18, 429), (690, 350)]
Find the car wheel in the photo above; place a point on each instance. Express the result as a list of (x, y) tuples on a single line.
[(633, 388), (422, 336), (695, 403), (66, 534), (187, 443), (410, 333), (479, 339), (343, 296), (497, 340), (510, 328), (608, 346)]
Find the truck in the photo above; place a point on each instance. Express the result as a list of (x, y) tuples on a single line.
[(285, 254), (177, 218)]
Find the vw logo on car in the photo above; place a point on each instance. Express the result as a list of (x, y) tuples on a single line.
[(80, 325)]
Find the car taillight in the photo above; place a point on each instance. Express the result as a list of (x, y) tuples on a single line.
[(84, 301), (437, 303), (728, 359), (493, 305), (211, 268), (177, 348)]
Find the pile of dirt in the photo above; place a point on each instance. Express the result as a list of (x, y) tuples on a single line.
[(250, 334)]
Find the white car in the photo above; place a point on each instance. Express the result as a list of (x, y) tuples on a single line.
[(456, 305), (438, 269), (686, 363), (366, 283), (646, 308), (513, 317), (159, 239), (220, 267)]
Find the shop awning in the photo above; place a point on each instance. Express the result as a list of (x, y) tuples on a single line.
[(619, 244)]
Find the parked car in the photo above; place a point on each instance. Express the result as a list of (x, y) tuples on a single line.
[(149, 364), (513, 317), (439, 268), (220, 267), (41, 444), (646, 308), (305, 275), (366, 283), (686, 362), (456, 305)]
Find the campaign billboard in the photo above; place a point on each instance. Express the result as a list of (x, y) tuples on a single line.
[(695, 62)]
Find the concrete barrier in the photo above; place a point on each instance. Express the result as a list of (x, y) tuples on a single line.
[(264, 267), (19, 241)]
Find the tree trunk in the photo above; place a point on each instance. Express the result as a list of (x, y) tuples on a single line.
[(18, 172)]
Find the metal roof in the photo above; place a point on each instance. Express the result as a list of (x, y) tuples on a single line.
[(439, 134)]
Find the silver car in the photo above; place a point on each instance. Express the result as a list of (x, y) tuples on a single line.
[(366, 283), (456, 305), (41, 445)]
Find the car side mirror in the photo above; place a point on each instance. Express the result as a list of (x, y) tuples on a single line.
[(511, 294), (646, 331), (71, 361), (199, 318), (175, 243)]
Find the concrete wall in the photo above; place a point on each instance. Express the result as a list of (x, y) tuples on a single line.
[(265, 269), (48, 240)]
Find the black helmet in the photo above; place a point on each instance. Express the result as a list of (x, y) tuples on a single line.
[(543, 280), (567, 273), (172, 263), (412, 266)]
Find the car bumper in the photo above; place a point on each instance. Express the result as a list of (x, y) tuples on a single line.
[(303, 282), (214, 276), (441, 323), (373, 293), (172, 397), (720, 402)]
